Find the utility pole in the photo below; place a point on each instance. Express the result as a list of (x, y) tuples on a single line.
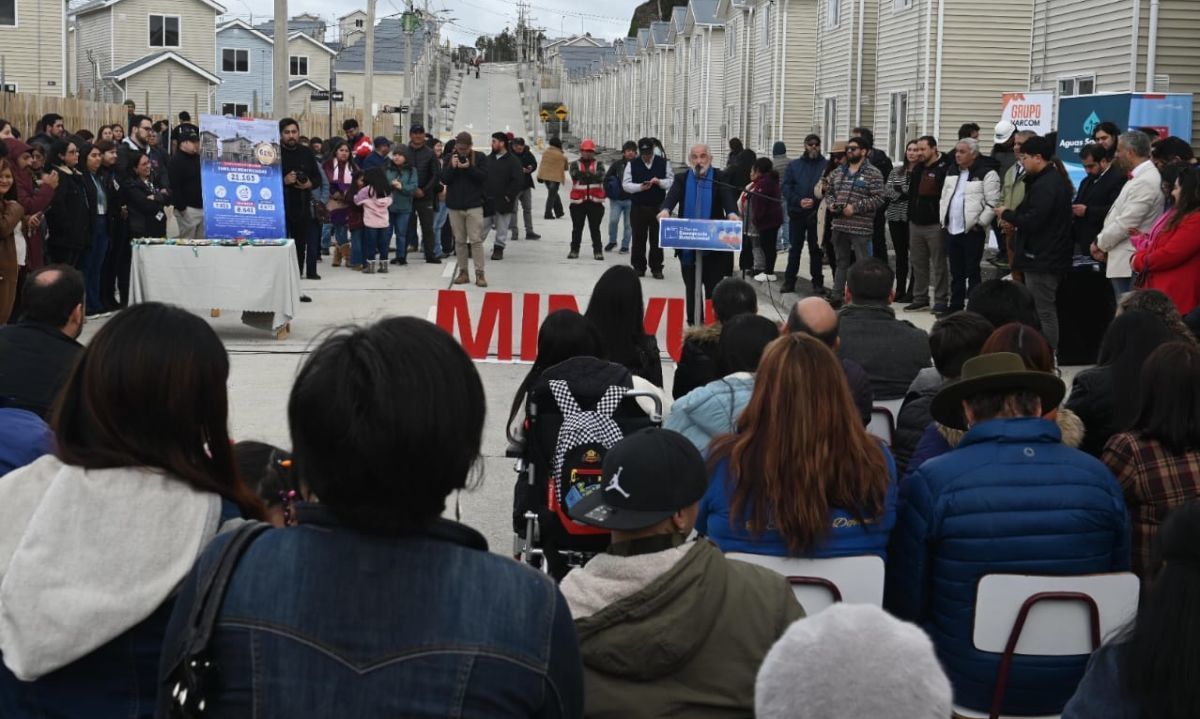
[(368, 123), (281, 67), (406, 22)]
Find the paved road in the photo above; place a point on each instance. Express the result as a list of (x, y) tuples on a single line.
[(263, 369)]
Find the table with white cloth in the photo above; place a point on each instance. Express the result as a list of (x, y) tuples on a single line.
[(252, 278)]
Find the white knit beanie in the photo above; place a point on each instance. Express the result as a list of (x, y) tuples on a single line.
[(852, 661)]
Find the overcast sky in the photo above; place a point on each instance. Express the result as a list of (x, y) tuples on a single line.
[(474, 17)]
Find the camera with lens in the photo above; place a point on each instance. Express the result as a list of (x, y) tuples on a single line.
[(301, 177), (837, 208)]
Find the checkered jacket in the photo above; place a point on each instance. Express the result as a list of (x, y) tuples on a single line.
[(1155, 480)]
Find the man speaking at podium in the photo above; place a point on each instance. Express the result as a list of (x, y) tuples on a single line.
[(701, 193)]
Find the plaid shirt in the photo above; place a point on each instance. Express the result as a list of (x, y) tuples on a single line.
[(1155, 481), (863, 189)]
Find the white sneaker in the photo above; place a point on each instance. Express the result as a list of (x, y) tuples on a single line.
[(772, 278), (760, 277)]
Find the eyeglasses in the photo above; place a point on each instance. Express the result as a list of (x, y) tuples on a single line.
[(853, 148), (812, 144)]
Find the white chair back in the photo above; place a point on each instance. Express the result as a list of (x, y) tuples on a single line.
[(891, 405), (1059, 619), (882, 425), (819, 583)]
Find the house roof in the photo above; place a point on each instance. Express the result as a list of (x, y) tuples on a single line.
[(704, 12), (643, 37), (104, 4), (390, 40), (352, 12), (313, 28), (678, 17), (300, 83), (309, 38), (149, 61), (243, 25), (658, 32)]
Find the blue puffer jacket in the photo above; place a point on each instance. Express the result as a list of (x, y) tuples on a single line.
[(847, 537), (713, 409), (1010, 499), (800, 182)]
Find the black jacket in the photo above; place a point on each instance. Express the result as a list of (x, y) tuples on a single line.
[(35, 361), (147, 215), (185, 181), (528, 161), (698, 360), (297, 203), (1043, 222), (1092, 399), (127, 155), (1098, 194), (505, 181), (737, 168), (465, 185), (426, 164), (925, 193), (68, 220)]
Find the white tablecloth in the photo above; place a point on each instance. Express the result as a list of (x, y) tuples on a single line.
[(252, 279)]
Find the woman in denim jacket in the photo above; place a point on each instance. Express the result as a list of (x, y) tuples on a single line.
[(373, 605)]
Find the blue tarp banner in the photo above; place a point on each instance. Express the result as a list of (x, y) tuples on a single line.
[(240, 175), (1169, 114), (715, 235)]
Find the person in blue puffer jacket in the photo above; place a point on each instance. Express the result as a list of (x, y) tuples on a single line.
[(713, 409), (1011, 498), (800, 476)]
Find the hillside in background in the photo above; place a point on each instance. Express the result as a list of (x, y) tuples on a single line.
[(652, 10)]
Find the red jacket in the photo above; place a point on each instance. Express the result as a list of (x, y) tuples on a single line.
[(1172, 263)]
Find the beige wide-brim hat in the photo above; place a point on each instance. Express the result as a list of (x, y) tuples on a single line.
[(996, 372)]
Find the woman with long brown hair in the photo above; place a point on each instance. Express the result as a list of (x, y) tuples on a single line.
[(799, 476)]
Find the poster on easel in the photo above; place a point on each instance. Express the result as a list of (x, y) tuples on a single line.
[(241, 178)]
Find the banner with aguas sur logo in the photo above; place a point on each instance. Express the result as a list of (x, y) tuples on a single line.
[(241, 180)]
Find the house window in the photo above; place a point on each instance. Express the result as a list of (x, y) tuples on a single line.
[(766, 26), (235, 109), (234, 60), (675, 122), (902, 5), (1078, 85), (898, 123), (830, 126), (358, 23), (164, 31), (8, 13), (764, 125), (696, 125), (833, 14), (299, 65), (731, 41)]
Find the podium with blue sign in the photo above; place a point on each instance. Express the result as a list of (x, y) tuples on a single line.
[(676, 233)]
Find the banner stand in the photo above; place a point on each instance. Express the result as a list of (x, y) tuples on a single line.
[(699, 319), (699, 236)]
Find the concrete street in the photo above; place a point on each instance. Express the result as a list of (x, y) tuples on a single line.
[(263, 369)]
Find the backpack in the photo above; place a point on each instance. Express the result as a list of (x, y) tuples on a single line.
[(612, 182), (584, 437)]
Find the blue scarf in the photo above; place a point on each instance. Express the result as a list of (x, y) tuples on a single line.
[(697, 205)]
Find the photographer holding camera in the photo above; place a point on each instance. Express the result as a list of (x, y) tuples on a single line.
[(301, 174), (465, 177)]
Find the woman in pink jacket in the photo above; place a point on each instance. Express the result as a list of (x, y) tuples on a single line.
[(375, 197), (1170, 256)]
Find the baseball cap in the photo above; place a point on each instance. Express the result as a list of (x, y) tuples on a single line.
[(587, 145), (1004, 130), (417, 128), (645, 146), (382, 141), (646, 477)]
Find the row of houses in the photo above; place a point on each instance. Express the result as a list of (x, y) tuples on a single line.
[(768, 70), (172, 55)]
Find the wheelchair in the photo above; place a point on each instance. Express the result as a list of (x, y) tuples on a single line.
[(555, 469)]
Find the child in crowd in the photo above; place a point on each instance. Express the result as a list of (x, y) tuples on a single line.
[(375, 197)]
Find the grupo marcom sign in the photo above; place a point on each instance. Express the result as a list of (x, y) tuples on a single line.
[(1028, 110)]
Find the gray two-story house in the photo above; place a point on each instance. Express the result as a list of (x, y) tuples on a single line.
[(158, 53), (245, 64)]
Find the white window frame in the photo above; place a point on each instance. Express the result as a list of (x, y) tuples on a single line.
[(235, 106), (900, 6), (829, 120), (165, 17), (1074, 81), (764, 123), (675, 123), (16, 16), (16, 86), (833, 14), (731, 40), (235, 51), (696, 125), (898, 123), (292, 59), (765, 37), (359, 23)]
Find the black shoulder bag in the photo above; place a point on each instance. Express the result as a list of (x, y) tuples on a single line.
[(188, 673)]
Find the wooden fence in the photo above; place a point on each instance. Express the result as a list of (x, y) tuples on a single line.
[(316, 124), (24, 111)]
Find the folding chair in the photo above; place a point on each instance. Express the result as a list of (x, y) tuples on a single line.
[(819, 583)]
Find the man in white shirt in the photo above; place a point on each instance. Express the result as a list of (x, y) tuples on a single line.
[(647, 179), (968, 205), (1138, 206)]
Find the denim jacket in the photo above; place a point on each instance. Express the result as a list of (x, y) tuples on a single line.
[(322, 620)]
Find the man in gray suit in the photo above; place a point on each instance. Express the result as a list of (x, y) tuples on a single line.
[(1138, 206)]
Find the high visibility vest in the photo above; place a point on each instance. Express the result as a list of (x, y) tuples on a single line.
[(581, 192)]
